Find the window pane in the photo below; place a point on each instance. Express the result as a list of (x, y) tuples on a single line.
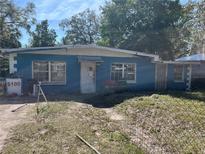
[(129, 71), (58, 72), (117, 70), (178, 72), (117, 67), (122, 72), (41, 76), (58, 76), (57, 66), (40, 66), (130, 76), (40, 71)]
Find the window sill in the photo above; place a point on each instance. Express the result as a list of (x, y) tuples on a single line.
[(53, 84), (127, 81), (131, 82)]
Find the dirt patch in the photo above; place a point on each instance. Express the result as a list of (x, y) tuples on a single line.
[(55, 127), (113, 115), (9, 119)]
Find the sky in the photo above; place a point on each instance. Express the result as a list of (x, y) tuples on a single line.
[(56, 10)]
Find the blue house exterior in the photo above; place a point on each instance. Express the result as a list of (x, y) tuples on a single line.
[(172, 84), (93, 69), (198, 70)]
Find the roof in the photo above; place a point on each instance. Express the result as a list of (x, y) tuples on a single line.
[(89, 58), (65, 47), (195, 57), (178, 62)]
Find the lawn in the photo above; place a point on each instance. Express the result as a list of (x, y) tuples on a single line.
[(173, 123), (150, 123), (54, 131)]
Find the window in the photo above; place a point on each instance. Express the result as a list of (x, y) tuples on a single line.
[(41, 71), (123, 72), (49, 72), (179, 73), (58, 72)]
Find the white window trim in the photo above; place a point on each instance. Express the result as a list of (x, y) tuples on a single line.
[(182, 80), (128, 81), (49, 73)]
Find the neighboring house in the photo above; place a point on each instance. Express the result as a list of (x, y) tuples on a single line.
[(198, 71), (91, 69)]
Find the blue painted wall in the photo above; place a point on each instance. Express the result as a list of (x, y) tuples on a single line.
[(24, 69), (145, 72), (171, 84)]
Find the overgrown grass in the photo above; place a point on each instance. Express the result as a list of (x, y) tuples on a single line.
[(55, 132), (175, 122)]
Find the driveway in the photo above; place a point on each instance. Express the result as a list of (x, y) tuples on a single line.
[(9, 119)]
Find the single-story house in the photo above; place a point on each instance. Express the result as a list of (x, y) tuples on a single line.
[(198, 70), (95, 69)]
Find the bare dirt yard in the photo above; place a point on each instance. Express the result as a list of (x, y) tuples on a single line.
[(55, 128), (9, 119), (120, 123)]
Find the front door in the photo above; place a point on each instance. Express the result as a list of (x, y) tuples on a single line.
[(88, 77), (161, 77)]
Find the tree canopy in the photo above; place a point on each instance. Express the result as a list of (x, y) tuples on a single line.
[(43, 36), (194, 27), (82, 28), (163, 27), (143, 25), (12, 18)]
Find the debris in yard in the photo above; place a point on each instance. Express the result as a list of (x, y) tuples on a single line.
[(88, 144), (113, 115), (140, 99), (18, 108), (40, 92), (61, 122), (44, 131), (155, 96), (9, 120)]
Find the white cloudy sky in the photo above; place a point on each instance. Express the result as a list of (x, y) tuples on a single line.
[(56, 10)]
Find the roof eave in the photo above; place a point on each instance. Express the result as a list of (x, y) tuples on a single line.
[(28, 50), (23, 50), (177, 62)]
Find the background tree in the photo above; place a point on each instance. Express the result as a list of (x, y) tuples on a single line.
[(12, 19), (193, 30), (145, 25), (43, 36), (82, 28), (4, 67)]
